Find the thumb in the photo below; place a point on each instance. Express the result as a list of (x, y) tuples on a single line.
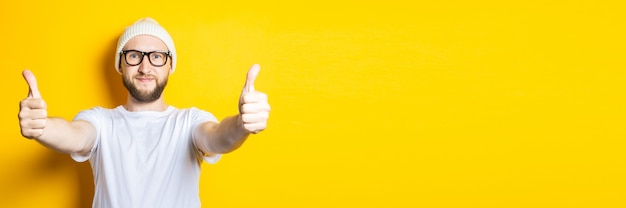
[(253, 72), (33, 91)]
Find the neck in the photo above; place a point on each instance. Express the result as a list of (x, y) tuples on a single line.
[(133, 105)]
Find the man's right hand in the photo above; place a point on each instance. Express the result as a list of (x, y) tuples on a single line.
[(33, 113)]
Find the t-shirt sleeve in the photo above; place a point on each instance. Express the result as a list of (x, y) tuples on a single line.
[(200, 117), (92, 116)]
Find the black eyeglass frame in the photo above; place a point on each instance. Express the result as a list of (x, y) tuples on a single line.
[(143, 54)]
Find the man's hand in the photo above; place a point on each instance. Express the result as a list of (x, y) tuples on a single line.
[(33, 114), (253, 106)]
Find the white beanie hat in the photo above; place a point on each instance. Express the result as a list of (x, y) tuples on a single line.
[(145, 26)]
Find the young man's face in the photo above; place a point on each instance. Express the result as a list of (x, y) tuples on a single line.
[(145, 82)]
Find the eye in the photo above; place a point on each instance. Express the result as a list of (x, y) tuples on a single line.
[(133, 55), (157, 56)]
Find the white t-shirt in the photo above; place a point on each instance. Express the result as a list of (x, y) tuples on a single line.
[(145, 159)]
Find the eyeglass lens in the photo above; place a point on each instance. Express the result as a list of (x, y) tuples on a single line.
[(135, 58)]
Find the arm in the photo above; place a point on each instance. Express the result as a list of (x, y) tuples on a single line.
[(54, 133), (214, 138), (68, 137)]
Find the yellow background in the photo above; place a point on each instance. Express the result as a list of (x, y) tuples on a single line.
[(374, 103)]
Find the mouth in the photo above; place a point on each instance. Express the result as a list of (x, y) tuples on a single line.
[(144, 79)]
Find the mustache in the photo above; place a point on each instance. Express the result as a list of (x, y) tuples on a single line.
[(145, 76)]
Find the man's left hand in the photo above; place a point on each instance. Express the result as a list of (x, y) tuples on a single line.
[(253, 106)]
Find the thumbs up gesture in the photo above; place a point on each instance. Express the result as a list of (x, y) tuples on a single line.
[(253, 106), (33, 113)]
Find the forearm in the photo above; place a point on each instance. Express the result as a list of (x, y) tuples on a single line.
[(224, 137), (233, 131), (67, 137)]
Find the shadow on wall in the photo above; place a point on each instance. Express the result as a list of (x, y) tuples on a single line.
[(35, 171), (117, 91), (86, 185), (117, 96)]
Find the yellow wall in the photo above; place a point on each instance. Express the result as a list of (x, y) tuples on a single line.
[(381, 104)]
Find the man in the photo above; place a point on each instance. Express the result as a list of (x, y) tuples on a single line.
[(145, 153)]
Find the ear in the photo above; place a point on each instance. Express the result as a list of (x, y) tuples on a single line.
[(171, 65), (119, 64)]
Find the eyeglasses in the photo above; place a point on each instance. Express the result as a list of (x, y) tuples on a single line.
[(135, 57)]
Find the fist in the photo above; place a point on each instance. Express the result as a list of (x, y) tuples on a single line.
[(33, 113), (253, 106)]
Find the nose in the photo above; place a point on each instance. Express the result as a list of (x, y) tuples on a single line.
[(144, 66)]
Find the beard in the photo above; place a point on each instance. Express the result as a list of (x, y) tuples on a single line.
[(145, 96)]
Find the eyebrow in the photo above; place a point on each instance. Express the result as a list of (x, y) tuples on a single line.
[(164, 50)]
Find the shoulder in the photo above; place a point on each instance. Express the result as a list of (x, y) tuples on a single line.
[(95, 111), (192, 110), (95, 116), (197, 114)]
